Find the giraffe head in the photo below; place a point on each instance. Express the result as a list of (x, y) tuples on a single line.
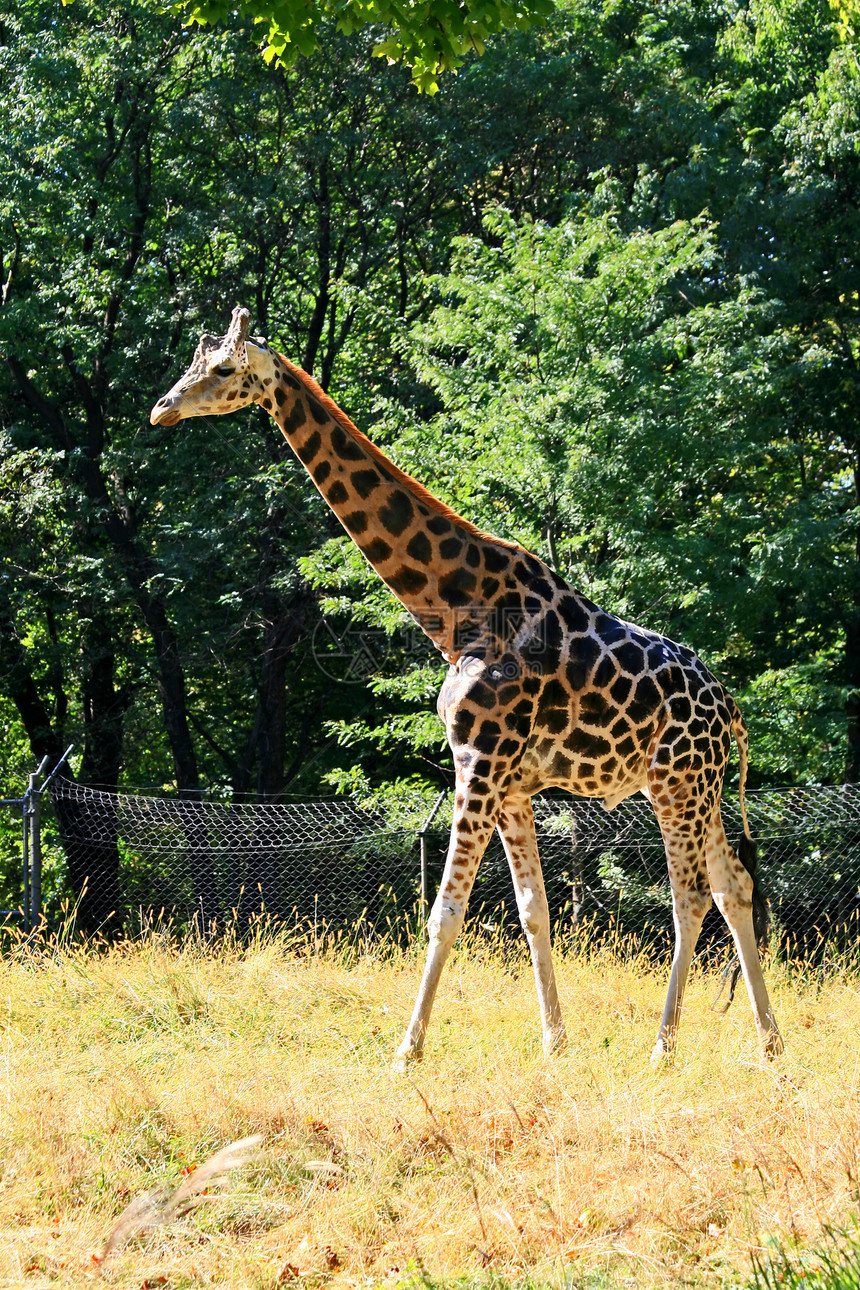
[(225, 374)]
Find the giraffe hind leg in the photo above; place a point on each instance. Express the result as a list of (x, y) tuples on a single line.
[(734, 891)]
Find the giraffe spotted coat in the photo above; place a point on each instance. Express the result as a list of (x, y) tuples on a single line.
[(544, 688)]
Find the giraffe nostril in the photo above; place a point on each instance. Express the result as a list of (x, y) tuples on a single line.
[(164, 414)]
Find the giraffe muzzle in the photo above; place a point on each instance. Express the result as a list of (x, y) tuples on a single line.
[(165, 413)]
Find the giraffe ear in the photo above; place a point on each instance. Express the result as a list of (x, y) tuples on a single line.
[(255, 350), (205, 346)]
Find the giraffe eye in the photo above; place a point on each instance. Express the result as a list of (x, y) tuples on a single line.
[(224, 369)]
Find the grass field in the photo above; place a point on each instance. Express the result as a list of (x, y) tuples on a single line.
[(124, 1069)]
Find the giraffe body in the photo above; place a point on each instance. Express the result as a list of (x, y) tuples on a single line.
[(544, 689)]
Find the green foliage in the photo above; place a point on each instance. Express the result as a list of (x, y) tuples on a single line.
[(798, 716), (833, 1265), (432, 37)]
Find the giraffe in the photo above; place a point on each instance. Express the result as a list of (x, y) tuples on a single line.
[(544, 689)]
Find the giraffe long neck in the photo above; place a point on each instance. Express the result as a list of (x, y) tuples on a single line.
[(447, 573)]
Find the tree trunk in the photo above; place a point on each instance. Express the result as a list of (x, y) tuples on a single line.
[(284, 625), (89, 829)]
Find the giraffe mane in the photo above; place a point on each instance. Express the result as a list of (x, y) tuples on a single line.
[(418, 491)]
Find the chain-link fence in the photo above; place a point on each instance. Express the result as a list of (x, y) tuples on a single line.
[(127, 860)]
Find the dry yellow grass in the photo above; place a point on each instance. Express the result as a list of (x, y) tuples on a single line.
[(121, 1069)]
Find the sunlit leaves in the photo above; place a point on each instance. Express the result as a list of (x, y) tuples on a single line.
[(431, 37)]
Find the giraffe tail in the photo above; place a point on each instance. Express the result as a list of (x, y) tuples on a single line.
[(747, 848), (748, 856)]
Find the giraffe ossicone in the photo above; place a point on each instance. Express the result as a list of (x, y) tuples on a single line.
[(544, 689)]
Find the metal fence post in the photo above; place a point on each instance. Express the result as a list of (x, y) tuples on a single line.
[(35, 814), (31, 840), (33, 826), (422, 896), (25, 856), (422, 848)]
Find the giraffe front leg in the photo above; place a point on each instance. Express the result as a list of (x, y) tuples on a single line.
[(475, 813), (517, 830)]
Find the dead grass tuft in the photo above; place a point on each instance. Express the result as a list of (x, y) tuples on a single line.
[(123, 1070)]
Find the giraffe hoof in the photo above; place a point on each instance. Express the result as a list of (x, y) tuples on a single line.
[(773, 1045), (555, 1041), (660, 1054), (403, 1062)]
